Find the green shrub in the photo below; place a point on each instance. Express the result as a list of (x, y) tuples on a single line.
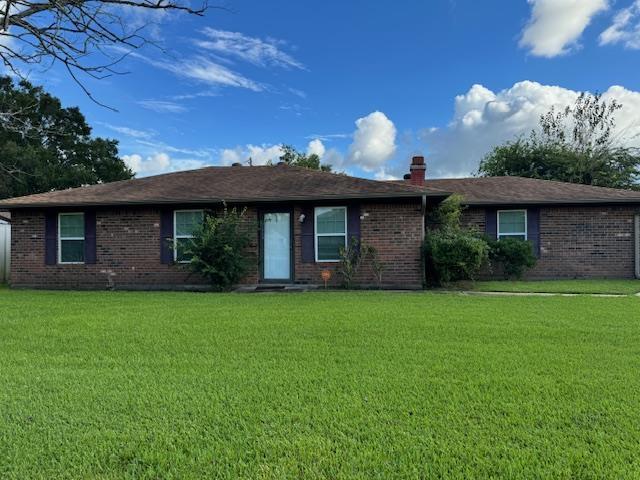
[(447, 215), (512, 255), (218, 248), (453, 254)]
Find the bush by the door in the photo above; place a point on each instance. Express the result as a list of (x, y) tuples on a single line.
[(218, 250)]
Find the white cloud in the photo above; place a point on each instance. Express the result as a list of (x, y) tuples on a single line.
[(555, 26), (193, 95), (159, 162), (250, 49), (483, 119), (328, 136), (161, 146), (162, 106), (210, 72), (129, 132), (298, 93), (374, 142), (382, 174), (259, 154), (625, 28), (202, 69), (316, 147)]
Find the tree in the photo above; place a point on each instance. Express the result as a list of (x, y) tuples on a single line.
[(291, 156), (53, 147), (78, 34), (576, 145)]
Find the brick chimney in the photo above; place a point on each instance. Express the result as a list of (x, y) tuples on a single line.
[(418, 170)]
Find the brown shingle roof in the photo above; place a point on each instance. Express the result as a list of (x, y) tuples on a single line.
[(217, 184), (518, 190)]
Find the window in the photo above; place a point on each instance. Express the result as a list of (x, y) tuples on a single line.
[(512, 223), (71, 238), (331, 233), (185, 223)]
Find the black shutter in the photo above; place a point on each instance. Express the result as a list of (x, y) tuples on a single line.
[(90, 237), (50, 238), (353, 222), (533, 229), (491, 223), (166, 236), (306, 236)]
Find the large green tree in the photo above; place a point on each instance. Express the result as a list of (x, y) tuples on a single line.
[(576, 144), (44, 146), (291, 156)]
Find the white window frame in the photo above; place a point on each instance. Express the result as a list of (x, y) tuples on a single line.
[(176, 236), (60, 239), (525, 233), (316, 234)]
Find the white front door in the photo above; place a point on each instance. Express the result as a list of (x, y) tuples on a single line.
[(277, 246)]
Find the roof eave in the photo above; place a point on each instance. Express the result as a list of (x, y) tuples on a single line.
[(594, 201), (191, 201)]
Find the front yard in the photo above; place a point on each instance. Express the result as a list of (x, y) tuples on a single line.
[(318, 385)]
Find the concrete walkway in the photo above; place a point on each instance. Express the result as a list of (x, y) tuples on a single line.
[(540, 294)]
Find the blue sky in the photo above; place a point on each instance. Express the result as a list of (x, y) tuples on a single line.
[(365, 84)]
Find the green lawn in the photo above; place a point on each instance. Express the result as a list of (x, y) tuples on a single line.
[(622, 287), (318, 385)]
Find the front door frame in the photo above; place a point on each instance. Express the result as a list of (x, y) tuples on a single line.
[(261, 215)]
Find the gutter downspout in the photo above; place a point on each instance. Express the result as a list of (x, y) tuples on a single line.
[(636, 238), (424, 213)]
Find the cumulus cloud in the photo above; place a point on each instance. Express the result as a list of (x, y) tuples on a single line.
[(259, 154), (374, 142), (162, 106), (158, 163), (382, 174), (250, 49), (316, 147), (555, 26), (483, 119), (625, 28)]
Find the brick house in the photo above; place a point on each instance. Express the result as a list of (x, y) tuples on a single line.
[(117, 234), (577, 231), (120, 234)]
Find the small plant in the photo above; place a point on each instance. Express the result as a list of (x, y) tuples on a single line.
[(512, 255), (351, 258), (218, 249), (377, 267)]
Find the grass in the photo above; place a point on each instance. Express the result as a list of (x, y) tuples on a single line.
[(620, 287), (318, 385)]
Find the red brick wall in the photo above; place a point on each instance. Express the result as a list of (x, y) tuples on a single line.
[(128, 254), (395, 230), (128, 251), (580, 241)]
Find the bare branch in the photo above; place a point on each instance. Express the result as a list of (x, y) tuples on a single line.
[(79, 34)]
